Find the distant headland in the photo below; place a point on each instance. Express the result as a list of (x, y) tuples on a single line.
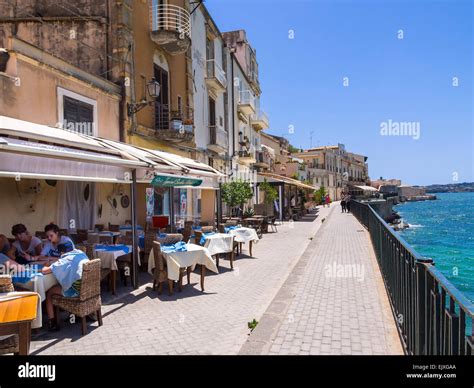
[(451, 188)]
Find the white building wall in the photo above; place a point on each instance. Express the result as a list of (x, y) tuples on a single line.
[(201, 92)]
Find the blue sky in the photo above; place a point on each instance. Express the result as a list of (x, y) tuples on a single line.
[(407, 80)]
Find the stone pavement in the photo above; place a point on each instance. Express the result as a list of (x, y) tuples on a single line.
[(192, 322), (333, 302)]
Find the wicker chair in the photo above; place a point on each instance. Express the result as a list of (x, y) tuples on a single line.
[(99, 227), (81, 236), (207, 229), (160, 273), (150, 236), (88, 301), (9, 344), (106, 240), (114, 228), (126, 239), (197, 239), (41, 235), (93, 239), (125, 261)]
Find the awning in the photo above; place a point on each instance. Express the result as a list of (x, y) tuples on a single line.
[(366, 188), (37, 151), (290, 181), (270, 150)]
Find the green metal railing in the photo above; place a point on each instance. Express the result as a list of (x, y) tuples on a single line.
[(433, 317)]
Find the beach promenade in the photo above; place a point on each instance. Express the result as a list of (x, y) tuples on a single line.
[(333, 302), (284, 286)]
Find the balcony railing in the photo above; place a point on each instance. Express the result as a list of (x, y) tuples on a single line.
[(260, 120), (169, 17), (263, 159), (215, 75), (246, 102), (170, 27), (218, 138), (316, 166), (432, 315), (173, 125)]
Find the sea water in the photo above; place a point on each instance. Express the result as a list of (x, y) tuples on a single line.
[(444, 231)]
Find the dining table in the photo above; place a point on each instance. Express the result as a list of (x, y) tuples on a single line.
[(39, 284), (243, 235), (219, 243), (193, 255), (17, 312), (108, 255)]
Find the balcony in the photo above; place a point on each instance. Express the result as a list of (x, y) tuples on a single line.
[(247, 156), (253, 76), (218, 140), (172, 126), (260, 120), (170, 28), (246, 102), (262, 160), (215, 77)]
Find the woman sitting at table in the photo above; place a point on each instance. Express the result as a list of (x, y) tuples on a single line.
[(50, 252), (25, 245), (68, 272)]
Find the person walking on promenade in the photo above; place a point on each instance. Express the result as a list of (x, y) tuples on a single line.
[(348, 203), (328, 200), (343, 204)]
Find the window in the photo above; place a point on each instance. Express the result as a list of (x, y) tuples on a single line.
[(77, 113), (162, 113)]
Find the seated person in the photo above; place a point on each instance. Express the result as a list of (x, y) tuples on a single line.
[(50, 252), (6, 264), (68, 272), (25, 245), (4, 244)]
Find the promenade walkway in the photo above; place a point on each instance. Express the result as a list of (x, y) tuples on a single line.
[(334, 300), (192, 322)]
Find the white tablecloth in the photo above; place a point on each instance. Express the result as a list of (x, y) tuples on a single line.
[(195, 254), (108, 259), (40, 285), (243, 235), (219, 243)]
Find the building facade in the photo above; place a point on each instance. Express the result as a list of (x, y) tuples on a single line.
[(334, 168), (156, 74)]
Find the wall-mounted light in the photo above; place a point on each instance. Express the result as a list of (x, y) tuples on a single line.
[(153, 88)]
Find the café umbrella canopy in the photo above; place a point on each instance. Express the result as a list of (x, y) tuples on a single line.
[(174, 181)]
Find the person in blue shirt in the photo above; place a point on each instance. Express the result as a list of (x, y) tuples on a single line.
[(67, 270), (50, 251)]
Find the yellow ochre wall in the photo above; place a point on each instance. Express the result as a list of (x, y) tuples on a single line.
[(19, 201), (36, 98)]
